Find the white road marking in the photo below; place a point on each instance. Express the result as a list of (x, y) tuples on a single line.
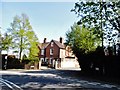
[(13, 84), (10, 84)]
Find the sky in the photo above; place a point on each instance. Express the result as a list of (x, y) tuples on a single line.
[(49, 20)]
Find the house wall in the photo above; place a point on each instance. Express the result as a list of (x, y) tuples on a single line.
[(51, 58), (42, 53), (55, 51), (70, 63), (62, 53)]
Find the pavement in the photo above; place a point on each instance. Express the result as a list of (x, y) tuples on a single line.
[(43, 68)]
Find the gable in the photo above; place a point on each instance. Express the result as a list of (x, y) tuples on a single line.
[(58, 44)]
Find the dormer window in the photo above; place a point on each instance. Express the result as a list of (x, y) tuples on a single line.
[(52, 44)]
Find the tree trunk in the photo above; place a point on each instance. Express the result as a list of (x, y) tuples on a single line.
[(101, 23), (20, 53), (21, 49)]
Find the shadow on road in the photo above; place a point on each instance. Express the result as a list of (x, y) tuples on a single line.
[(34, 80), (81, 75)]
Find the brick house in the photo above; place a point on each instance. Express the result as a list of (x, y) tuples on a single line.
[(57, 55), (42, 53)]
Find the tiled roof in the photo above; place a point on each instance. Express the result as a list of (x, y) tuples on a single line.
[(59, 44), (43, 45)]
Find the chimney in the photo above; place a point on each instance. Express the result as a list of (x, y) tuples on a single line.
[(44, 40), (61, 40)]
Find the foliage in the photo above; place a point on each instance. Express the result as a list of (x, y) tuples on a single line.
[(6, 42), (13, 62), (33, 50), (100, 15), (102, 19), (115, 21), (82, 40), (25, 59), (23, 34)]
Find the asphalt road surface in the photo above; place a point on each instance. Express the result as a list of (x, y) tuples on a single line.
[(48, 79)]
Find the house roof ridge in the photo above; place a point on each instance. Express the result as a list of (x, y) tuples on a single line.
[(43, 45), (59, 44)]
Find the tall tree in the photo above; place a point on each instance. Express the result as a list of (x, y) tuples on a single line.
[(0, 50), (115, 21), (20, 27), (100, 15), (82, 40), (0, 40)]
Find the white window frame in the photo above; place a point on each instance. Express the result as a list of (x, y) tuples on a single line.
[(42, 51), (51, 51)]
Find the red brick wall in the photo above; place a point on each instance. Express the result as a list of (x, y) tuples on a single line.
[(55, 51)]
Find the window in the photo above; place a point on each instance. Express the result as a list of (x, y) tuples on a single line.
[(42, 52), (52, 44), (51, 51)]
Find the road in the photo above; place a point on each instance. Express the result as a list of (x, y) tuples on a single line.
[(37, 79), (7, 85)]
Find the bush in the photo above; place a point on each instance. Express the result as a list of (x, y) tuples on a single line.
[(13, 63), (98, 64)]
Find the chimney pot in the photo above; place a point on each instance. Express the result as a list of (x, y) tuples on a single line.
[(61, 40), (44, 40)]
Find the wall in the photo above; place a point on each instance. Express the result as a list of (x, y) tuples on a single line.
[(55, 51), (70, 63), (62, 53)]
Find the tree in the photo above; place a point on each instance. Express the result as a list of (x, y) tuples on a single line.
[(99, 15), (0, 48), (116, 20), (6, 42), (0, 42), (82, 40), (33, 50), (22, 33)]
